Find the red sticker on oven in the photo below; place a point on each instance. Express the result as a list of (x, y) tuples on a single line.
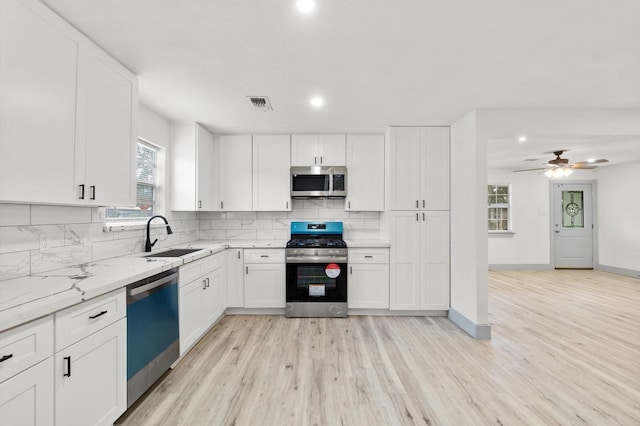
[(332, 270)]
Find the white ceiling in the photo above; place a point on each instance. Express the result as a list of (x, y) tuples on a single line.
[(377, 63)]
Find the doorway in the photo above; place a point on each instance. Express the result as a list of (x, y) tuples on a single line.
[(572, 225)]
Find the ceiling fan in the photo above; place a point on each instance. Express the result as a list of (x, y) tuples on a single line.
[(559, 167)]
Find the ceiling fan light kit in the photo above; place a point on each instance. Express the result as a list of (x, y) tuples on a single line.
[(559, 172)]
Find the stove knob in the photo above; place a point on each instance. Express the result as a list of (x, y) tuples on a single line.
[(315, 252)]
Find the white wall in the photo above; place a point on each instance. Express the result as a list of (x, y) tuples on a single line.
[(530, 213), (619, 216), (468, 221)]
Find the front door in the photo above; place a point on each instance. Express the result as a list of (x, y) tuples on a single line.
[(573, 225)]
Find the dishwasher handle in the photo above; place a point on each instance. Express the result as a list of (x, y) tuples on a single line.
[(150, 286)]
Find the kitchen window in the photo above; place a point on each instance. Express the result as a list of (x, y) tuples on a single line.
[(499, 202), (147, 188)]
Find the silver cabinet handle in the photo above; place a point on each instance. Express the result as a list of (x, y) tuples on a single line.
[(314, 160), (199, 204), (247, 269), (368, 257), (68, 362), (417, 218), (92, 189), (417, 205), (423, 204), (81, 192), (204, 284), (286, 205), (423, 217), (238, 254), (221, 204), (264, 255), (351, 270), (349, 203), (320, 159)]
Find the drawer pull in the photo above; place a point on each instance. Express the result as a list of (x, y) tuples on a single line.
[(6, 357), (68, 361), (368, 257), (264, 255), (98, 315)]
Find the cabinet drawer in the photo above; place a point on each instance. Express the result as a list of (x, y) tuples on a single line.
[(79, 321), (369, 255), (24, 346), (198, 268), (264, 256)]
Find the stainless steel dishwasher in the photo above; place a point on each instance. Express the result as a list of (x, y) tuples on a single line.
[(153, 342)]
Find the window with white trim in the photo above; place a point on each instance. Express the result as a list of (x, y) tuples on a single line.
[(146, 187), (499, 202)]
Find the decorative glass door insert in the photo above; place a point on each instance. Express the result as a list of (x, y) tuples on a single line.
[(572, 209)]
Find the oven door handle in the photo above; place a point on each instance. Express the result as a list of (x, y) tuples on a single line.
[(314, 259)]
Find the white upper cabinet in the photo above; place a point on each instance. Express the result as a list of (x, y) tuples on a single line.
[(38, 73), (67, 113), (419, 168), (235, 173), (109, 97), (318, 150), (194, 165), (271, 172), (365, 173)]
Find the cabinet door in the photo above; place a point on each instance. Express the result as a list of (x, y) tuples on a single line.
[(235, 284), (183, 167), (406, 236), (368, 286), (38, 70), (190, 313), (105, 123), (214, 297), (332, 149), (365, 165), (271, 173), (91, 378), (304, 150), (264, 285), (205, 161), (434, 173), (434, 291), (27, 398), (404, 168), (235, 173)]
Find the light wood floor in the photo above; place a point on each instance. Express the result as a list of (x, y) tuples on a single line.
[(565, 350)]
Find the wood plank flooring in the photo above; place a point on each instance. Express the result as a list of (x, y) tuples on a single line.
[(565, 350)]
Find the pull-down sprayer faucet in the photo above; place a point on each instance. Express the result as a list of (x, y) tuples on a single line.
[(149, 244)]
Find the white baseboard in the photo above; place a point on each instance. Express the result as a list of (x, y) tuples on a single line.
[(520, 267)]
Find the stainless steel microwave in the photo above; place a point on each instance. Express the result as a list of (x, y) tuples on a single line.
[(318, 182)]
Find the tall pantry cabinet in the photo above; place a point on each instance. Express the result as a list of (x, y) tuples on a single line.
[(417, 218)]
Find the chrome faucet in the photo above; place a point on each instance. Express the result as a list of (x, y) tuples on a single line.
[(149, 244)]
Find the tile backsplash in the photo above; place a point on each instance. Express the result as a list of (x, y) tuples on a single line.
[(39, 238), (276, 225)]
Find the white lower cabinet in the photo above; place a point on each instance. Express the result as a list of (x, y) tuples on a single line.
[(235, 284), (26, 374), (91, 378), (368, 284), (419, 260), (27, 398), (264, 279), (202, 300)]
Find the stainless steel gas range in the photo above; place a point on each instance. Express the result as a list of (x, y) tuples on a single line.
[(316, 258)]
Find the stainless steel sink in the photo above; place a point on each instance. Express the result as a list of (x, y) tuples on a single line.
[(173, 253)]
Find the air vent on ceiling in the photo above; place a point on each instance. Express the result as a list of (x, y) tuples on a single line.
[(260, 102), (530, 159)]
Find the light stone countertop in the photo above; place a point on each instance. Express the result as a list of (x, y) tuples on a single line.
[(27, 298)]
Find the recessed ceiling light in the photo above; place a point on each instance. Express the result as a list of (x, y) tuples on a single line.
[(522, 139), (305, 6), (317, 101), (591, 160)]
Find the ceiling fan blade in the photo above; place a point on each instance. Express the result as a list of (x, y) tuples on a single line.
[(598, 161), (582, 166), (530, 170)]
